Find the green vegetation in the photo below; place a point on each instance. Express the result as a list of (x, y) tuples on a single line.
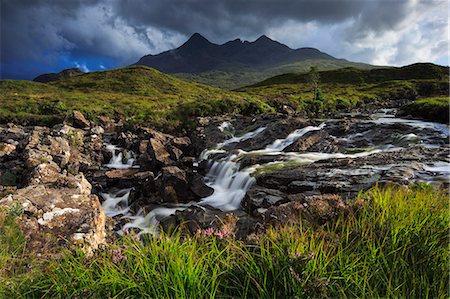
[(135, 94), (239, 76), (434, 109), (351, 88), (390, 243), (143, 95)]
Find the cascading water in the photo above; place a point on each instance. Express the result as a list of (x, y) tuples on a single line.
[(116, 202), (280, 144), (230, 183), (120, 159)]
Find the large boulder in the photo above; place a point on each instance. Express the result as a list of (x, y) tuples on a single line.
[(59, 216)]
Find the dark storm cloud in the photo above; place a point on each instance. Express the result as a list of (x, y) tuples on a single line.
[(47, 35)]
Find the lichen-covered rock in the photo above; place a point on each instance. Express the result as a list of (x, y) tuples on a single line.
[(56, 217)]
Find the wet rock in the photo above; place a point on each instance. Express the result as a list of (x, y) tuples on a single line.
[(301, 186), (199, 187), (260, 197), (174, 185), (306, 141), (193, 218)]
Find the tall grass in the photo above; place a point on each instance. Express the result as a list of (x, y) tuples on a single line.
[(390, 243)]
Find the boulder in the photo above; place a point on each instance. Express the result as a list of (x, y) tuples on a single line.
[(173, 185), (6, 149), (78, 120), (158, 152), (199, 187), (260, 197), (54, 218)]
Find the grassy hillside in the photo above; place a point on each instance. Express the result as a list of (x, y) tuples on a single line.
[(350, 87), (140, 94), (239, 77), (133, 94), (351, 75), (390, 243)]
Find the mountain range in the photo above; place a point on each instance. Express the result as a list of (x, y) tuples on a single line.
[(237, 63)]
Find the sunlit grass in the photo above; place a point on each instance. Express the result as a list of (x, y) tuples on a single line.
[(391, 243)]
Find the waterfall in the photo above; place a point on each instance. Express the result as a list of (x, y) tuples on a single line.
[(118, 161), (280, 144)]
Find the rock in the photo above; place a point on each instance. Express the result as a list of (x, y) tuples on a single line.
[(247, 225), (78, 120), (97, 130), (193, 218), (181, 142), (260, 197), (44, 173), (120, 173), (56, 218), (6, 149), (175, 153), (301, 186), (157, 152), (199, 187), (306, 141), (174, 185)]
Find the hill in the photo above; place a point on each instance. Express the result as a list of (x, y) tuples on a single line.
[(350, 75), (237, 63), (135, 94), (350, 88)]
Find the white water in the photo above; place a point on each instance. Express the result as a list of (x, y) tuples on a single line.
[(244, 137), (384, 118), (117, 159), (116, 203), (231, 184), (280, 144)]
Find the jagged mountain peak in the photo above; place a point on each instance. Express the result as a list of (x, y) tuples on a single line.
[(198, 55)]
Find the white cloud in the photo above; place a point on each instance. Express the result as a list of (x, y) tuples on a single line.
[(81, 66)]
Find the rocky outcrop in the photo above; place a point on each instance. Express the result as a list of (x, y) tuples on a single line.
[(58, 213), (58, 207)]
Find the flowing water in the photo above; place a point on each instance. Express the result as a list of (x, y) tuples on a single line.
[(230, 182)]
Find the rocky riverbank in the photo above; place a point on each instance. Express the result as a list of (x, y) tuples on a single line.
[(81, 184)]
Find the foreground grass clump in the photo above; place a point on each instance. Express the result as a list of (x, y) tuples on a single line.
[(390, 243), (434, 109)]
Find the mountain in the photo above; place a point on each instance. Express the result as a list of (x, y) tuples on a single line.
[(237, 63)]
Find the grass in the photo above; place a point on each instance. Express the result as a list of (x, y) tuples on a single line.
[(135, 95), (434, 109), (392, 242), (141, 95)]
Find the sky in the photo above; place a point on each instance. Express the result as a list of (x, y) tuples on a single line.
[(42, 36)]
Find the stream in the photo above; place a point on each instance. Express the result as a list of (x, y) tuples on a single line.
[(231, 179)]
